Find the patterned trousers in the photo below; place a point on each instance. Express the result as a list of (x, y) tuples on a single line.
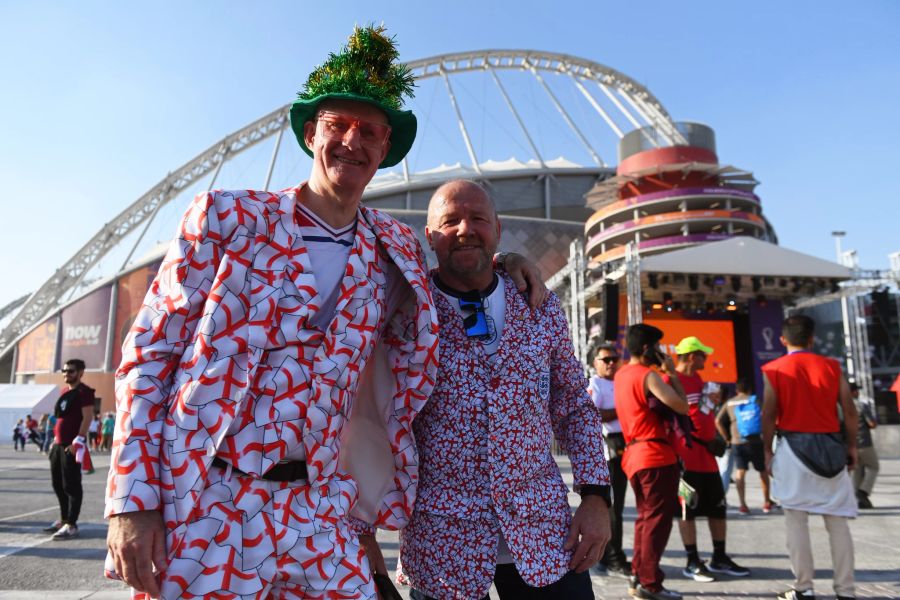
[(261, 540)]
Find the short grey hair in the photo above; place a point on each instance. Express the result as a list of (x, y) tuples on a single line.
[(458, 182)]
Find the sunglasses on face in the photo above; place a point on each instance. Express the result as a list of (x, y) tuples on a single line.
[(335, 126), (475, 324), (609, 360)]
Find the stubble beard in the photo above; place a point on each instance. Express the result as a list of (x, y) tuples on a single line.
[(466, 269)]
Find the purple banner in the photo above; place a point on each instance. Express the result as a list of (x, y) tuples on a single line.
[(721, 192), (84, 327), (765, 331), (707, 191), (673, 217)]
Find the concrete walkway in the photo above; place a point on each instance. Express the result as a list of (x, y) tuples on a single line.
[(32, 567)]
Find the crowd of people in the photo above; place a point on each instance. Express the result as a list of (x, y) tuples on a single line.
[(40, 432), (297, 379), (27, 430), (664, 428)]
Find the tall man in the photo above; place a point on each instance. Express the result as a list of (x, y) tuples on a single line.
[(645, 405), (74, 411), (809, 467), (701, 471), (491, 504), (273, 317), (606, 363)]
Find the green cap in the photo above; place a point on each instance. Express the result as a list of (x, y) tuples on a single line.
[(692, 344), (365, 70)]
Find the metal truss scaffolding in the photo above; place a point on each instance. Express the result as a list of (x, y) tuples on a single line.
[(571, 284)]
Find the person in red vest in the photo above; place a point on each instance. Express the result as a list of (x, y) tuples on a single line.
[(809, 466), (895, 387), (650, 462)]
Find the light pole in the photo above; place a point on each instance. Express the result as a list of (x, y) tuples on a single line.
[(837, 235), (845, 310)]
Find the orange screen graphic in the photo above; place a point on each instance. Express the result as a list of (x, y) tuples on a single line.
[(721, 366)]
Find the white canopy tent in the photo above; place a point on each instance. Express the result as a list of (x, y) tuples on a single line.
[(18, 400), (743, 256)]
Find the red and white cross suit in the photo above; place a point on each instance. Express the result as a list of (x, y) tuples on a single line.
[(224, 360)]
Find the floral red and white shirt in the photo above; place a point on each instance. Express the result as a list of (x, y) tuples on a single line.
[(486, 466)]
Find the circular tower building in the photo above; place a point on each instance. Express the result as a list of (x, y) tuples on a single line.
[(670, 192)]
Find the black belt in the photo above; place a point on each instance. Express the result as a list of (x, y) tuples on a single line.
[(283, 471)]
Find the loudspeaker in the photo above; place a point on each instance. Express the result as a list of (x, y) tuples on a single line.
[(611, 311)]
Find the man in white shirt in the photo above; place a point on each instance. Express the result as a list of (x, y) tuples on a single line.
[(606, 363)]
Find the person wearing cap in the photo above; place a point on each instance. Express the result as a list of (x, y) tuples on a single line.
[(492, 506), (276, 321), (701, 471)]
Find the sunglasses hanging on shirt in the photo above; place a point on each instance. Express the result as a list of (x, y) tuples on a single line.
[(475, 324)]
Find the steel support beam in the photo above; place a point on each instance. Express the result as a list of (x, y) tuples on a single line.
[(618, 104), (271, 168), (462, 125), (46, 298), (598, 108), (565, 115), (515, 114)]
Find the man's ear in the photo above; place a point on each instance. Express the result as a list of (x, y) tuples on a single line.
[(428, 237), (385, 150), (309, 134)]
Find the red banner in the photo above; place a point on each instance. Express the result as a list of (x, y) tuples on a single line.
[(37, 350), (132, 289)]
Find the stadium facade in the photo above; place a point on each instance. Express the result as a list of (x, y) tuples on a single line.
[(668, 194)]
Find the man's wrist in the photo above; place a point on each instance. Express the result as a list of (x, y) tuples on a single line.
[(500, 260), (601, 491)]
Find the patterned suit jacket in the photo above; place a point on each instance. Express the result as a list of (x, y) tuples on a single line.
[(197, 342), (485, 449)]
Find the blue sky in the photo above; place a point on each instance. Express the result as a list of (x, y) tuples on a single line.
[(100, 99)]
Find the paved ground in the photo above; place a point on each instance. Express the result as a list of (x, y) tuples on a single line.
[(32, 567)]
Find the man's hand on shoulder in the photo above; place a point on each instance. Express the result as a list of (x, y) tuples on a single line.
[(526, 275), (137, 544), (588, 533)]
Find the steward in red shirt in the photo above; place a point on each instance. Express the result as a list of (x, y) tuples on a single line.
[(649, 460), (701, 470), (809, 467)]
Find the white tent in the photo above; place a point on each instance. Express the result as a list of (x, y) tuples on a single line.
[(18, 400), (743, 256)]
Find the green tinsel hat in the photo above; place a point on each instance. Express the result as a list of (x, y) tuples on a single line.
[(365, 71)]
